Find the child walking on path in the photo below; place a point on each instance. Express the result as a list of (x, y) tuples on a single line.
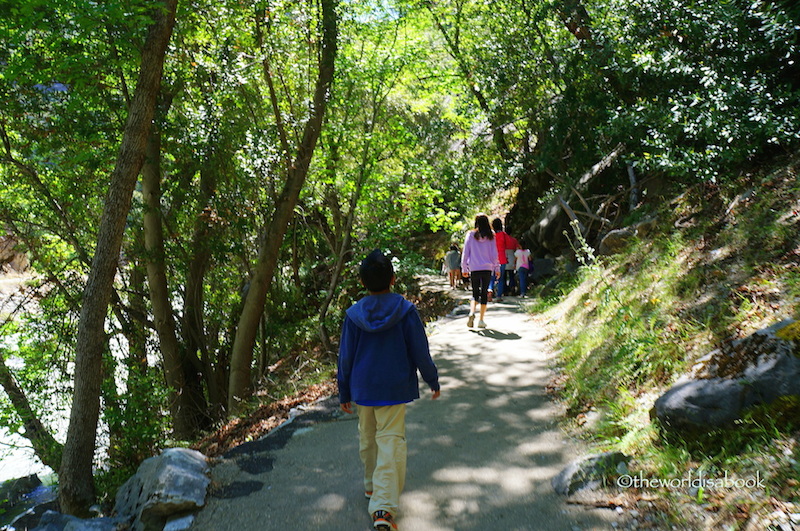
[(452, 260), (480, 261), (382, 347)]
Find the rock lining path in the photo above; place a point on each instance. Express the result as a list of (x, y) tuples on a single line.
[(479, 458)]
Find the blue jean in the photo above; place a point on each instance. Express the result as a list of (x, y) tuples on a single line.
[(497, 285), (522, 278)]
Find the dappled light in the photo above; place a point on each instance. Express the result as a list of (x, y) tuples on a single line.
[(484, 452), (187, 191)]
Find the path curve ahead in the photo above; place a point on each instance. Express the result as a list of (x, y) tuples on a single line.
[(479, 458)]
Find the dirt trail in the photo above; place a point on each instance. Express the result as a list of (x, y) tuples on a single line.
[(480, 458)]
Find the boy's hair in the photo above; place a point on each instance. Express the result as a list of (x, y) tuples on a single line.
[(376, 271)]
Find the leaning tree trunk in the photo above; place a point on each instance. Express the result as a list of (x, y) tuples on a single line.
[(76, 485), (47, 449), (186, 408), (195, 337), (365, 168), (250, 318)]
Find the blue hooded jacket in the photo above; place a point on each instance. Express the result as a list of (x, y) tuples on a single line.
[(383, 345)]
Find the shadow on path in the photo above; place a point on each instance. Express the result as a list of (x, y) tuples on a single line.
[(494, 334), (480, 458)]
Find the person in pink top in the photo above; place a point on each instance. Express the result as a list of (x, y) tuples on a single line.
[(480, 262), (523, 259)]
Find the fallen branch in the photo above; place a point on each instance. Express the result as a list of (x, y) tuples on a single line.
[(600, 166), (593, 217), (571, 214), (567, 209)]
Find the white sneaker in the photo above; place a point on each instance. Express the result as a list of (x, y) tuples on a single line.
[(481, 324), (470, 321)]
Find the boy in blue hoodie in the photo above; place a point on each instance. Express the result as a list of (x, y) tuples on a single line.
[(383, 345)]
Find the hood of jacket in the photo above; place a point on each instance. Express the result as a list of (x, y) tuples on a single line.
[(375, 313)]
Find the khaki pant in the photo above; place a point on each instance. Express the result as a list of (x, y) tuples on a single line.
[(382, 446)]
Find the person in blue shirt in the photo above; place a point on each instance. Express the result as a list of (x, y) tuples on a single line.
[(382, 347)]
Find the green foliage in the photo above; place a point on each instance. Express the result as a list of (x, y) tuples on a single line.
[(136, 421), (689, 88), (712, 82), (284, 331), (633, 341), (35, 353)]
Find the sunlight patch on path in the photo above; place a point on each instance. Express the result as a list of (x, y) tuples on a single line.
[(479, 458)]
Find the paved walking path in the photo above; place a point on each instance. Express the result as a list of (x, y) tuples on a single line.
[(479, 458)]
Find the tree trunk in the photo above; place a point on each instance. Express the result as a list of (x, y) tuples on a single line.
[(194, 326), (242, 354), (338, 267), (633, 198), (76, 485), (47, 449), (186, 412), (597, 169), (295, 256), (347, 232)]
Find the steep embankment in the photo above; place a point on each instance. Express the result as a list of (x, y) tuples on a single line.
[(722, 263)]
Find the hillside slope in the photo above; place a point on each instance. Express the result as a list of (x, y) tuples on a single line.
[(723, 263)]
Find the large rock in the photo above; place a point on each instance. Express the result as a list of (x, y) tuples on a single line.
[(21, 498), (615, 241), (752, 371), (547, 233), (32, 516), (162, 495), (645, 227), (165, 487), (589, 472), (541, 268), (713, 403)]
